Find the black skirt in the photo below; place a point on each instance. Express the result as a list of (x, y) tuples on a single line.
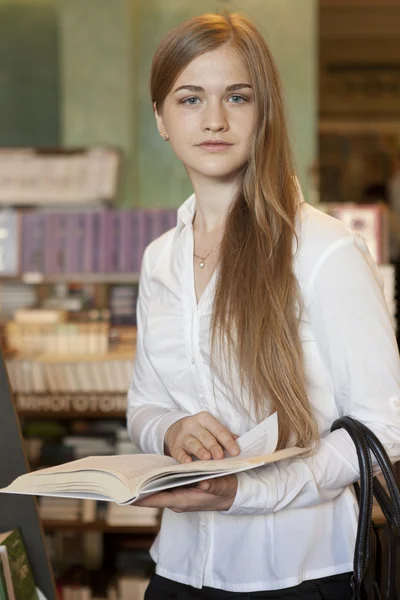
[(336, 587)]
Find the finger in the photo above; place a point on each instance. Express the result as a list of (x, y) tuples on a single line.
[(195, 447), (209, 442), (218, 486), (181, 455), (221, 433), (211, 486)]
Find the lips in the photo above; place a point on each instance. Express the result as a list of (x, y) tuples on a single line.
[(214, 145)]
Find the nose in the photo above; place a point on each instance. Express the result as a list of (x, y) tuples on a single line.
[(214, 117)]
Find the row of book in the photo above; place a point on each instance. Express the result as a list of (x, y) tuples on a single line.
[(34, 377), (127, 587), (58, 338), (92, 241), (84, 571), (87, 511), (16, 577), (48, 442)]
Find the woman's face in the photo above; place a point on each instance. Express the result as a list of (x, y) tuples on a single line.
[(210, 115)]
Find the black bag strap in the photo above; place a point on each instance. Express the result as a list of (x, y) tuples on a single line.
[(365, 497), (390, 503), (365, 441)]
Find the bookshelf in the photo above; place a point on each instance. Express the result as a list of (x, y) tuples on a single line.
[(90, 278), (70, 249)]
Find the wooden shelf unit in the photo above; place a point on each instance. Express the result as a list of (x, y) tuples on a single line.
[(43, 278), (98, 525)]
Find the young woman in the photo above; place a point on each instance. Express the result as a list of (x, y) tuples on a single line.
[(254, 303)]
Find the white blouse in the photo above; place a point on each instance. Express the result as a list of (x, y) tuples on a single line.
[(296, 519)]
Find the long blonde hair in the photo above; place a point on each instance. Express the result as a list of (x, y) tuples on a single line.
[(257, 295)]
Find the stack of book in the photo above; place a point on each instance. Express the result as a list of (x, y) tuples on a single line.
[(14, 296), (52, 508), (132, 587), (82, 446), (122, 303), (90, 377), (60, 509), (131, 516), (57, 338)]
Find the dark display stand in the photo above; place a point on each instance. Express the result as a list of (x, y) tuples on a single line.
[(19, 510)]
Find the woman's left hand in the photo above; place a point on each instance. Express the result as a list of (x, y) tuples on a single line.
[(210, 494)]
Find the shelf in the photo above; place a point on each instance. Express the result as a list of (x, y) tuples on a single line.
[(104, 356), (99, 525), (38, 278), (126, 354), (70, 406), (56, 415), (347, 126)]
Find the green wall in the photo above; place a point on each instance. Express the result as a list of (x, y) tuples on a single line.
[(29, 73), (99, 80), (76, 72)]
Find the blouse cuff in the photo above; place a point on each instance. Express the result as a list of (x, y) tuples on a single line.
[(253, 496), (165, 423)]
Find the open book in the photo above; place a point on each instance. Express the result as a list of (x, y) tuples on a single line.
[(126, 478)]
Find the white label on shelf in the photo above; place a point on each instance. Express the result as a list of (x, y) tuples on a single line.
[(32, 277)]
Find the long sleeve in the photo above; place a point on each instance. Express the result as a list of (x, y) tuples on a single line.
[(151, 409), (355, 340)]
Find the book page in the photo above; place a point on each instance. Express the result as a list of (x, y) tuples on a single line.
[(262, 439), (214, 468), (124, 466)]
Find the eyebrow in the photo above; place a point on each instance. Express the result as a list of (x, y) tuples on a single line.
[(198, 89)]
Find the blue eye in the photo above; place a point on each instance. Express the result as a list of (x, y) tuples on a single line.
[(238, 99), (190, 101)]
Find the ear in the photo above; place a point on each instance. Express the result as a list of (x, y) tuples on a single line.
[(159, 119)]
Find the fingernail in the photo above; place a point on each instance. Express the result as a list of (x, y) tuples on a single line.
[(234, 450), (204, 485)]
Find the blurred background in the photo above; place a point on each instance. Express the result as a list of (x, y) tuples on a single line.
[(86, 182)]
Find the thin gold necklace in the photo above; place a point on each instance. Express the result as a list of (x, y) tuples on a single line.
[(203, 258)]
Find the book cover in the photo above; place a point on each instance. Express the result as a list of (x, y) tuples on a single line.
[(103, 245), (9, 242), (124, 264), (21, 572), (4, 561), (76, 242), (33, 242), (95, 242), (112, 258), (3, 584), (50, 242)]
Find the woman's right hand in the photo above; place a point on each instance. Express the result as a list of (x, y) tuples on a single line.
[(200, 435)]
